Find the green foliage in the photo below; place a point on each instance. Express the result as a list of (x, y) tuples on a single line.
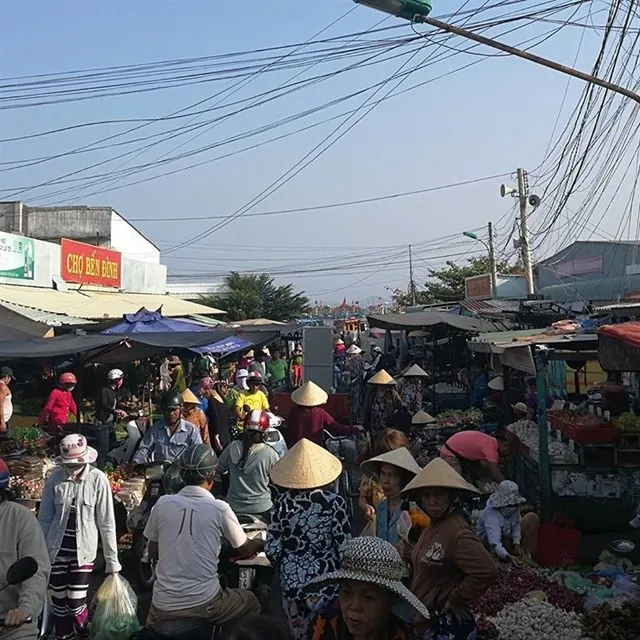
[(447, 284), (251, 296)]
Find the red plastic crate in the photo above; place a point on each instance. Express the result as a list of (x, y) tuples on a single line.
[(603, 433)]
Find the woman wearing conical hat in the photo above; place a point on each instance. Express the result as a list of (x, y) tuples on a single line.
[(192, 412), (451, 566), (308, 532), (412, 388), (308, 418), (383, 402)]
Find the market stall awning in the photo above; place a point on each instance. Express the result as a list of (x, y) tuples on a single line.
[(94, 305), (120, 348), (423, 319)]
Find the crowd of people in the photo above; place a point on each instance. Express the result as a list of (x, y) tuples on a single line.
[(384, 584)]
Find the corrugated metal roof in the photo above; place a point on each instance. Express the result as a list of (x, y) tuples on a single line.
[(487, 307), (45, 317), (94, 305)]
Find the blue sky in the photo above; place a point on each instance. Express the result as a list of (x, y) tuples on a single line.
[(488, 119)]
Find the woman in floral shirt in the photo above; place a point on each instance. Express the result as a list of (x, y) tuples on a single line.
[(308, 532)]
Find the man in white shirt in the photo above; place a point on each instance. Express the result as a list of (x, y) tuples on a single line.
[(185, 534)]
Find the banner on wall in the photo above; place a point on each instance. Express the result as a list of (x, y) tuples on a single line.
[(85, 264), (17, 257)]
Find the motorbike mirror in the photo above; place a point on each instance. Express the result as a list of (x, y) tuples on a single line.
[(21, 570)]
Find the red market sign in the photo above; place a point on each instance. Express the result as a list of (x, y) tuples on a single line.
[(86, 264)]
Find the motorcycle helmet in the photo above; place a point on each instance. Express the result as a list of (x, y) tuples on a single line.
[(115, 374), (68, 378), (197, 463), (172, 480), (256, 421), (254, 377), (171, 400)]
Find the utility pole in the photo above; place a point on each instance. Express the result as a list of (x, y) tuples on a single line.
[(492, 262), (525, 247), (412, 284)]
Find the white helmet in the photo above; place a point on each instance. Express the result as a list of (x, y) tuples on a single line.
[(115, 374)]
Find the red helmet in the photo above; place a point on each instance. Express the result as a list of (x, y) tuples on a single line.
[(256, 421), (68, 378)]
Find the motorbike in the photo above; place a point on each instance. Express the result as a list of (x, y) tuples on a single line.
[(247, 573), (20, 571), (136, 428), (273, 437), (154, 488)]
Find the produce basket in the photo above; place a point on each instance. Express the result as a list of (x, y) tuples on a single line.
[(558, 543)]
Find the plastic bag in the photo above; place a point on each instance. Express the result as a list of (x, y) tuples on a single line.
[(115, 616)]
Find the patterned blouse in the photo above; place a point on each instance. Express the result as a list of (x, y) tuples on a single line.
[(307, 534)]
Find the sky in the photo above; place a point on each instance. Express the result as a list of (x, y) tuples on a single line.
[(476, 125)]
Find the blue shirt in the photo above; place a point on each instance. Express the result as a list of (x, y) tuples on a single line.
[(158, 445), (494, 525)]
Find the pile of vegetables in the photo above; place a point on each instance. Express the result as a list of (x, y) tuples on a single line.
[(607, 623), (515, 584), (628, 423), (533, 619), (30, 437), (468, 419)]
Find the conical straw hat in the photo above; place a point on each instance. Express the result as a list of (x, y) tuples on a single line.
[(415, 372), (382, 378), (306, 466), (497, 383), (188, 397), (438, 473), (309, 395), (400, 458), (422, 417)]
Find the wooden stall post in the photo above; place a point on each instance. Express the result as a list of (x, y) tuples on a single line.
[(544, 468)]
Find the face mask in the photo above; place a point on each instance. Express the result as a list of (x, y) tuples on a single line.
[(73, 470)]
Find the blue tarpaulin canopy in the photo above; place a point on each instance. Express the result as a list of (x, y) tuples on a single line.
[(144, 321), (226, 346)]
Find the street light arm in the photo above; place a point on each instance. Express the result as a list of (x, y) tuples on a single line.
[(531, 57)]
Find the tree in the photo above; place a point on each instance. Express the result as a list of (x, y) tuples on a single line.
[(249, 296), (447, 284)]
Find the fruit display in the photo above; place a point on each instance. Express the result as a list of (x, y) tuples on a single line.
[(467, 419), (516, 583), (534, 618), (628, 423), (528, 433), (117, 476), (609, 623), (27, 477), (26, 489)]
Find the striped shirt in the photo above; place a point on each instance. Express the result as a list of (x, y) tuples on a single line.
[(69, 546)]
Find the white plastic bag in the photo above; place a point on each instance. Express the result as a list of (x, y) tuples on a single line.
[(115, 616)]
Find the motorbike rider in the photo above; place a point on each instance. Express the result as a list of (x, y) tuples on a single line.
[(248, 462), (107, 411), (185, 534), (168, 437), (21, 537)]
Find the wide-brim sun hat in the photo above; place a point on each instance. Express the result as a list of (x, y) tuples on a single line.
[(422, 417), (507, 495), (175, 360), (309, 395), (521, 407), (188, 397), (440, 474), (306, 466), (375, 561), (75, 450), (497, 383), (415, 371), (382, 378), (400, 458)]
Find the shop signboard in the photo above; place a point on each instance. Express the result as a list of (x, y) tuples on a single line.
[(17, 257), (85, 264)]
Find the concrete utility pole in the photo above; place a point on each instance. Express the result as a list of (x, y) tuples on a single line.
[(412, 284), (525, 247), (492, 262)]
